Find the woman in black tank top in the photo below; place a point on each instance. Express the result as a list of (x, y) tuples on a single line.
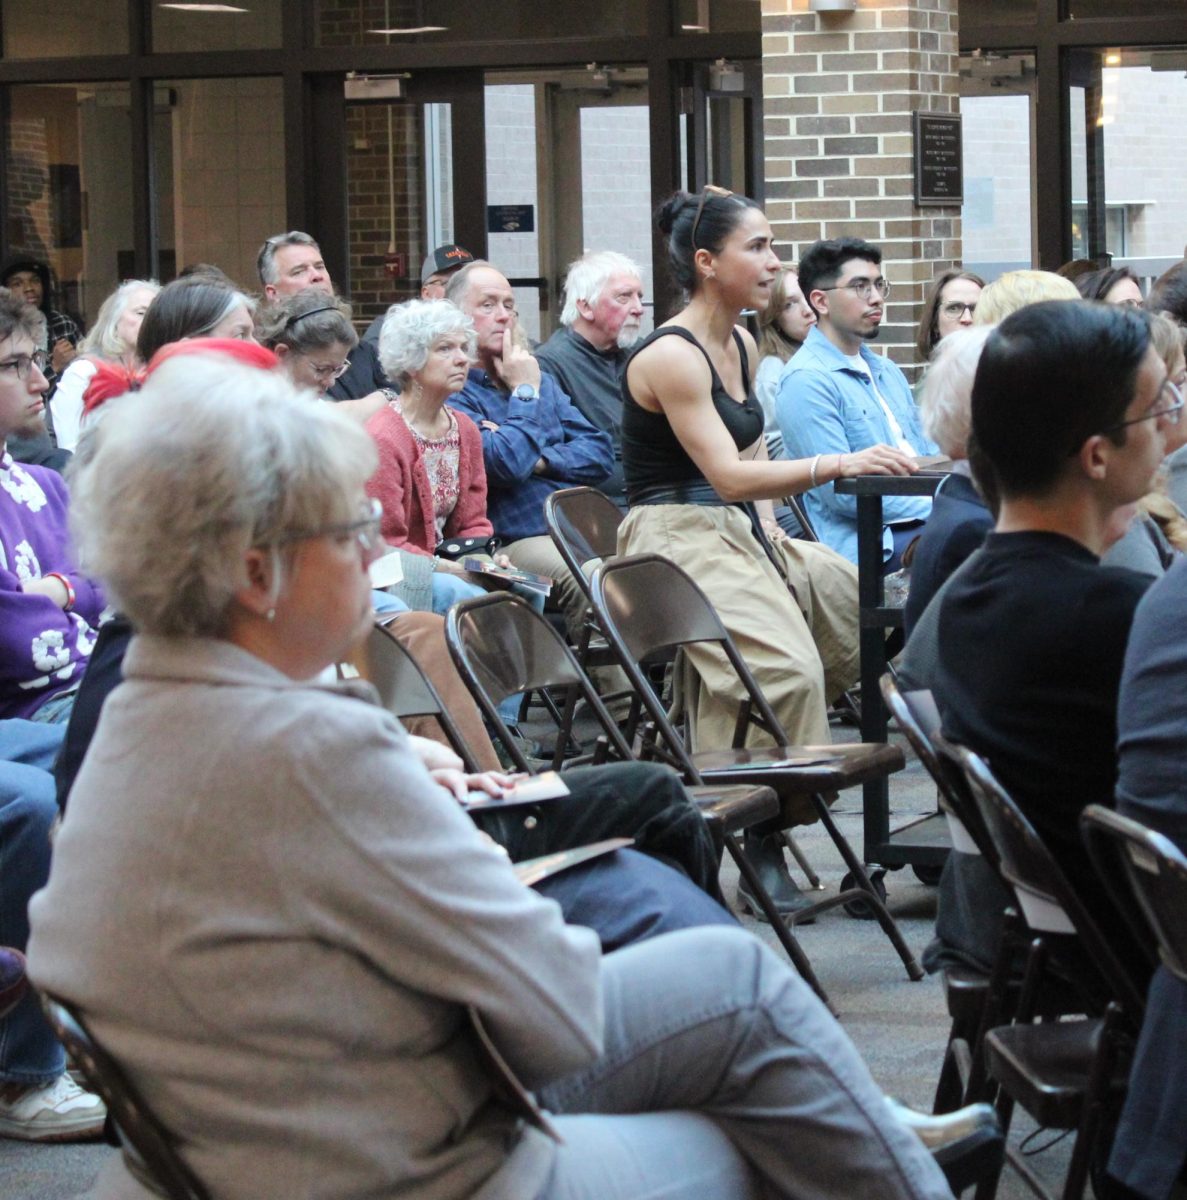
[(695, 462)]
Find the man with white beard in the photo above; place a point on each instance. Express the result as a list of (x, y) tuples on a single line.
[(599, 324)]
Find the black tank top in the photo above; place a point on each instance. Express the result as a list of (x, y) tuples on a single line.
[(651, 453)]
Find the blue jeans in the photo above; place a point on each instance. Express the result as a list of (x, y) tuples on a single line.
[(722, 1075), (29, 1052)]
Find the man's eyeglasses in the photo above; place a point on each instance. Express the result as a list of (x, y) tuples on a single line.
[(710, 189), (365, 530), (1172, 411), (954, 309), (22, 364), (863, 289)]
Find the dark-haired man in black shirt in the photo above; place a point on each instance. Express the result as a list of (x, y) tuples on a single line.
[(1068, 412)]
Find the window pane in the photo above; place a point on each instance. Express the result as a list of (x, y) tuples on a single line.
[(511, 180), (616, 188), (1130, 106), (219, 172), (356, 22), (996, 99), (68, 197), (255, 25), (64, 28)]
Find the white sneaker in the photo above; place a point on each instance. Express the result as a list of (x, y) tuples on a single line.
[(59, 1112)]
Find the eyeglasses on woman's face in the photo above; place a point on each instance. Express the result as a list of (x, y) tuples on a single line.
[(365, 530)]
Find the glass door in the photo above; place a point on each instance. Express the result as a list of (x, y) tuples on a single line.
[(414, 180)]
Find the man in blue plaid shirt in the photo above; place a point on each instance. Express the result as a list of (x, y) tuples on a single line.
[(534, 439)]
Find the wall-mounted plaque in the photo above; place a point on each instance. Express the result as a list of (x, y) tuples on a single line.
[(939, 170), (510, 218)]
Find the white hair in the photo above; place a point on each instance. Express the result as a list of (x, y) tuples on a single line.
[(945, 403), (103, 338), (588, 276), (209, 458), (410, 329)]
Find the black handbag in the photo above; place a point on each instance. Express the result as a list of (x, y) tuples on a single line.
[(458, 548)]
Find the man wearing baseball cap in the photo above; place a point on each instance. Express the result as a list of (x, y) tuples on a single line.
[(438, 266)]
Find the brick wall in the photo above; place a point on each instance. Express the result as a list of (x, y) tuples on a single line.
[(367, 147), (28, 187), (838, 93)]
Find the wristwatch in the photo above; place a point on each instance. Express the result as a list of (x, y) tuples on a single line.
[(525, 391)]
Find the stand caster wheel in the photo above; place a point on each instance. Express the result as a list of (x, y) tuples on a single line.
[(929, 875), (859, 909)]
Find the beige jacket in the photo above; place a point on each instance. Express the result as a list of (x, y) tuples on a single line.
[(272, 917)]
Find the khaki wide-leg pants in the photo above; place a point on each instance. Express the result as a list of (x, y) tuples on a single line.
[(802, 651)]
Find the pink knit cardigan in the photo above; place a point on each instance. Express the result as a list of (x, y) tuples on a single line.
[(401, 485)]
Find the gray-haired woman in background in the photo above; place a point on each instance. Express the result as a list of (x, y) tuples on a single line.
[(112, 339)]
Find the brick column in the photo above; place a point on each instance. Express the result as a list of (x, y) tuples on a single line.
[(838, 93)]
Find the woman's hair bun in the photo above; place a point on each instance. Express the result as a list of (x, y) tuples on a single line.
[(670, 211)]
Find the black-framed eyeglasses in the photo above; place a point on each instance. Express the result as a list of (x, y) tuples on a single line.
[(22, 364), (955, 309), (863, 289), (710, 189), (366, 531), (1172, 412)]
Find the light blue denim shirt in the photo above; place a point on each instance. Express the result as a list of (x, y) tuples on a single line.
[(826, 406)]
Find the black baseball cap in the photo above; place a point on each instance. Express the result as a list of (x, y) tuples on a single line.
[(444, 259)]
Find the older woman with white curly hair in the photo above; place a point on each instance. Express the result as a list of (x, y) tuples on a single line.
[(431, 480), (313, 917)]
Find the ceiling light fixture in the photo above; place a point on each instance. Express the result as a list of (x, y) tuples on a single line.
[(207, 8), (413, 30)]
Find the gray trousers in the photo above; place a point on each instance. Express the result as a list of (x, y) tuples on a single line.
[(724, 1078)]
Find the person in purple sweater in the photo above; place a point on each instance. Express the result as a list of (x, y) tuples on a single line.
[(48, 611)]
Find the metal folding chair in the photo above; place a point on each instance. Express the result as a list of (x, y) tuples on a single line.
[(1064, 1073), (405, 689), (150, 1152), (648, 608), (501, 646)]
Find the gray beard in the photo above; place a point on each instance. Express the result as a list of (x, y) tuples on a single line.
[(627, 337)]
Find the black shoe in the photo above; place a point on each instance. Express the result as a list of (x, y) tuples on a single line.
[(765, 855), (967, 1144)]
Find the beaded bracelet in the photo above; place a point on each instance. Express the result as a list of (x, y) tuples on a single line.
[(812, 472)]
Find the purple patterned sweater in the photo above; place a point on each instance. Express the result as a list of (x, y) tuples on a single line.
[(43, 650)]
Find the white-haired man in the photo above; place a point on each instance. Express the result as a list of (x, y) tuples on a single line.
[(292, 262), (600, 322)]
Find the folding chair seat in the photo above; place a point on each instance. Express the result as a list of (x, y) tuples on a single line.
[(501, 646), (1064, 1073), (648, 608), (150, 1152)]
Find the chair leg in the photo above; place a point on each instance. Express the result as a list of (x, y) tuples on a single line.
[(914, 971), (802, 861), (787, 939)]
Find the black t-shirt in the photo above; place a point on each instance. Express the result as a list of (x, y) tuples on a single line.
[(652, 454), (1032, 638)]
